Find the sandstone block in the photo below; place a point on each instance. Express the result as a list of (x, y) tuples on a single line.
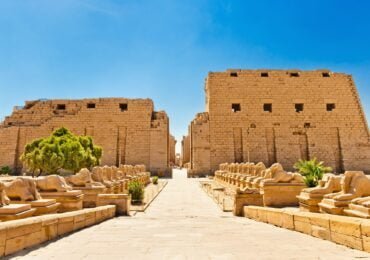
[(287, 220), (242, 200), (251, 212), (33, 239), (2, 251), (121, 201), (65, 227), (22, 227), (347, 240), (2, 235), (366, 243), (346, 226), (320, 232), (14, 244), (262, 215)]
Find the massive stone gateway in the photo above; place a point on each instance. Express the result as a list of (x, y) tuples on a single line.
[(279, 116), (129, 130)]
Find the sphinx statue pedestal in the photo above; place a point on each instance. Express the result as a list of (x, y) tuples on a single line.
[(355, 191), (246, 199), (122, 202), (309, 202), (22, 190), (90, 195), (69, 200), (16, 211), (355, 210), (310, 198), (333, 206), (42, 206), (281, 194)]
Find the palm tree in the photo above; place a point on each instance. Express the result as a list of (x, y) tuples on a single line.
[(312, 171)]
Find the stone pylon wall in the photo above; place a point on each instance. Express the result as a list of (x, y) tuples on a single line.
[(185, 149), (129, 130), (172, 150), (280, 116)]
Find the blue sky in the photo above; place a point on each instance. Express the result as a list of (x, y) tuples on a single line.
[(163, 49)]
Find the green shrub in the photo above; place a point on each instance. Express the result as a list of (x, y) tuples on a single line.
[(312, 171), (136, 189), (61, 150), (155, 180), (5, 170)]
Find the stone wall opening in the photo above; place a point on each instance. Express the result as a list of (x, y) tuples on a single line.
[(299, 107), (235, 107), (267, 107), (330, 107)]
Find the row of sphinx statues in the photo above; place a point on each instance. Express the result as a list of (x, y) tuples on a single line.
[(259, 184), (344, 194), (110, 177), (54, 193), (247, 177)]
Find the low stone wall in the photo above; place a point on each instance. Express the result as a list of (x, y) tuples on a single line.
[(349, 231), (223, 198), (121, 201), (17, 235)]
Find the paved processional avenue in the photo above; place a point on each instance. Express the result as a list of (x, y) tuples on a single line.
[(184, 223)]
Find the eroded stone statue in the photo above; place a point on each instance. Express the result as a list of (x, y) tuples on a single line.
[(330, 183), (23, 189), (82, 179), (52, 183), (309, 198), (259, 174), (4, 200), (98, 176), (276, 174), (355, 184), (252, 181)]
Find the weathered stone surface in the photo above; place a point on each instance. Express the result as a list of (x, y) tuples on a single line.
[(16, 216), (320, 232), (366, 243), (14, 244), (33, 239), (22, 227), (346, 225), (287, 219), (348, 231), (69, 200), (281, 195), (121, 201), (242, 200), (347, 240), (14, 209)]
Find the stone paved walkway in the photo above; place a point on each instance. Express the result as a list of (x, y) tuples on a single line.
[(184, 223)]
